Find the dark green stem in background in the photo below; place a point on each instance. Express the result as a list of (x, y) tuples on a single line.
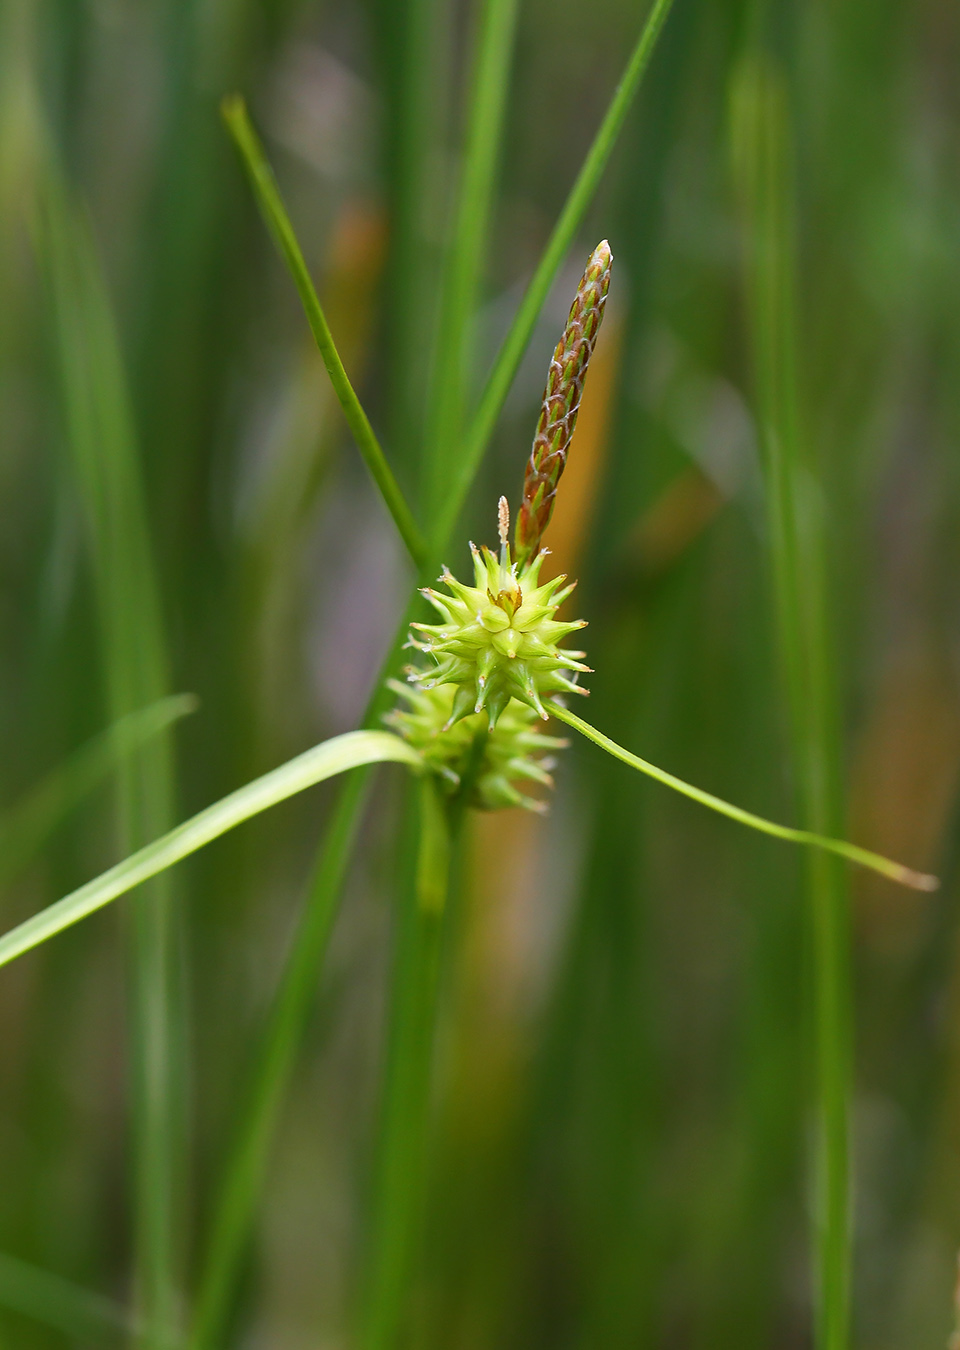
[(419, 35), (236, 1202), (76, 1313), (278, 222), (105, 461), (405, 1109), (762, 144), (571, 218), (456, 331), (27, 826)]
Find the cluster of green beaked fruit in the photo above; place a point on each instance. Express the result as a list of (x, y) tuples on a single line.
[(496, 659), (473, 712)]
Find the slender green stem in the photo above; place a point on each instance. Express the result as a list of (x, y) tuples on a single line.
[(762, 143), (919, 881), (418, 36), (571, 217), (246, 1158), (105, 460), (455, 339), (833, 1023), (326, 760), (406, 1095), (278, 222)]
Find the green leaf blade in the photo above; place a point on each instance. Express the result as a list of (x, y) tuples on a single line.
[(905, 876), (326, 760), (77, 1313), (102, 438), (275, 214), (26, 826)]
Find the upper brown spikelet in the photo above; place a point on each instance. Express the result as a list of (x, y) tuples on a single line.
[(561, 403)]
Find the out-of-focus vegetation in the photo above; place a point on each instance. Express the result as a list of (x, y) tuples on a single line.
[(622, 1127)]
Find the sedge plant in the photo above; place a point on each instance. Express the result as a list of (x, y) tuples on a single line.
[(470, 725), (500, 643), (469, 720)]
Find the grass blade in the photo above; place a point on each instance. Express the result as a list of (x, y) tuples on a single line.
[(455, 343), (278, 222), (406, 1093), (581, 194), (24, 828), (60, 1304), (104, 457), (762, 145), (905, 876), (313, 766), (415, 41), (246, 1157)]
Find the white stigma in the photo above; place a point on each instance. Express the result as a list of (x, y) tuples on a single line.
[(507, 580)]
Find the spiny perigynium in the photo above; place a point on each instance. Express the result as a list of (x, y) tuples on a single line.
[(489, 762), (500, 637)]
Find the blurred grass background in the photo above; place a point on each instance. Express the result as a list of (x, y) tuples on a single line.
[(622, 1120)]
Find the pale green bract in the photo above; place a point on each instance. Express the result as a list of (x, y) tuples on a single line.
[(327, 760), (904, 876)]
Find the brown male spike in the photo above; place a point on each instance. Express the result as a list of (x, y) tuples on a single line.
[(561, 403)]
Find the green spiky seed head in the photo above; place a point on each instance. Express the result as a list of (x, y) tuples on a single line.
[(492, 763), (500, 637)]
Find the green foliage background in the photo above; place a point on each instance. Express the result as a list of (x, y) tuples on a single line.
[(624, 1078)]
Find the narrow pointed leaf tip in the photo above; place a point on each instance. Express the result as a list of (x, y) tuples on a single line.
[(561, 402), (332, 757), (272, 208), (904, 876)]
